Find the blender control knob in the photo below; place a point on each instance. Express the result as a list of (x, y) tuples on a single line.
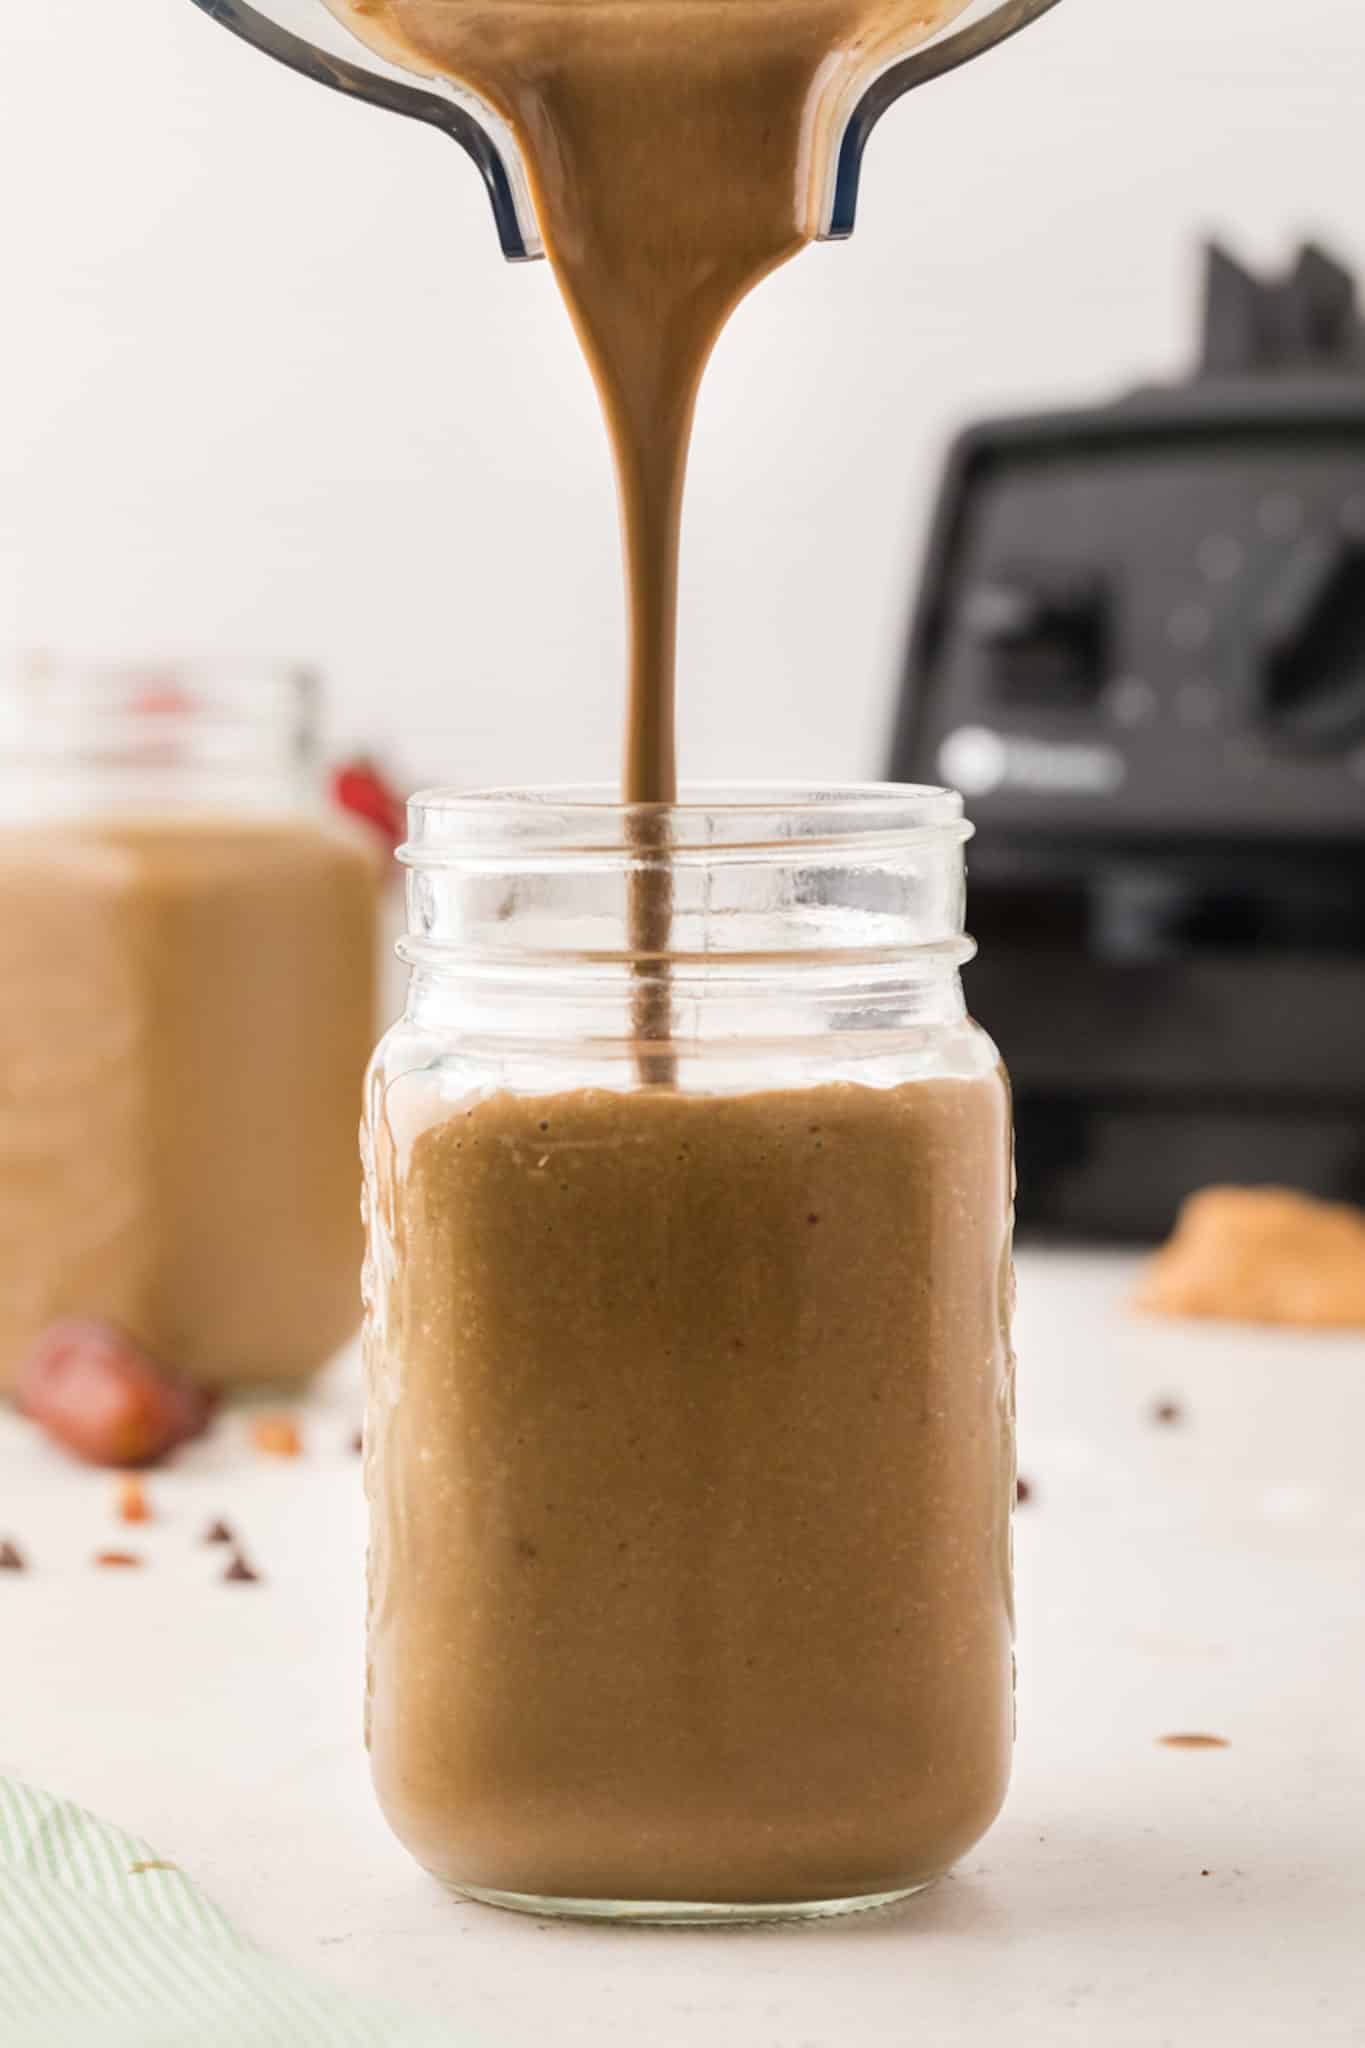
[(1040, 641)]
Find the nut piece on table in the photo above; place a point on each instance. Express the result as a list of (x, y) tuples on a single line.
[(97, 1393), (276, 1436), (133, 1504), (1262, 1255)]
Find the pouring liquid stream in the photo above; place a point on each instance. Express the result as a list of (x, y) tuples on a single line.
[(677, 152)]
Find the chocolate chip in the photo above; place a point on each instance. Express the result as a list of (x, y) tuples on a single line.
[(218, 1532), (11, 1558), (239, 1572), (812, 1218), (1023, 1492), (1167, 1412), (358, 1442)]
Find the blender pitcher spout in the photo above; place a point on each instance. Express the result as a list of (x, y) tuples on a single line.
[(457, 114), (932, 60)]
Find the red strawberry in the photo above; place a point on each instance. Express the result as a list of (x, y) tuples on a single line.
[(362, 789)]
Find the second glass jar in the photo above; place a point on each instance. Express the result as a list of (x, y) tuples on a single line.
[(188, 952)]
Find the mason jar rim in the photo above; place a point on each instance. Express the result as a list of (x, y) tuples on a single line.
[(448, 827)]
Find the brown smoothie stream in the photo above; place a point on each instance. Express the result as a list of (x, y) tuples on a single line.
[(677, 152)]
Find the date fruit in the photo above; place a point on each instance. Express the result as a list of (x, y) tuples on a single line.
[(99, 1395)]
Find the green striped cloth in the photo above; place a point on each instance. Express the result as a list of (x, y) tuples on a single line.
[(103, 1945)]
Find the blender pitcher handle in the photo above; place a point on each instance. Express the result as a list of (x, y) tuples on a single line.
[(500, 171), (1004, 21)]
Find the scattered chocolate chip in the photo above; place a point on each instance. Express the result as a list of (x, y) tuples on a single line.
[(812, 1218), (218, 1532), (1167, 1412), (1023, 1492), (239, 1572), (133, 1504), (11, 1558), (1206, 1873), (358, 1442), (118, 1560), (1193, 1741)]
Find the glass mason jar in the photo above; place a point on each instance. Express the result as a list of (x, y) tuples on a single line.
[(187, 952), (690, 1448)]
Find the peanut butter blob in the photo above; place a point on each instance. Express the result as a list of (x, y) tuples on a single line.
[(1262, 1255)]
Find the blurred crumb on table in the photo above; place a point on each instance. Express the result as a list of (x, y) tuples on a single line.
[(277, 1436), (1261, 1255)]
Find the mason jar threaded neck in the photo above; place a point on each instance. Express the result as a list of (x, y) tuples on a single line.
[(82, 736), (753, 909)]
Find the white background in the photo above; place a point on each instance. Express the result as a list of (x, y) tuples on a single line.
[(268, 385)]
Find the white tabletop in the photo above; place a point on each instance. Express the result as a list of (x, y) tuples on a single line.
[(1206, 1575)]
